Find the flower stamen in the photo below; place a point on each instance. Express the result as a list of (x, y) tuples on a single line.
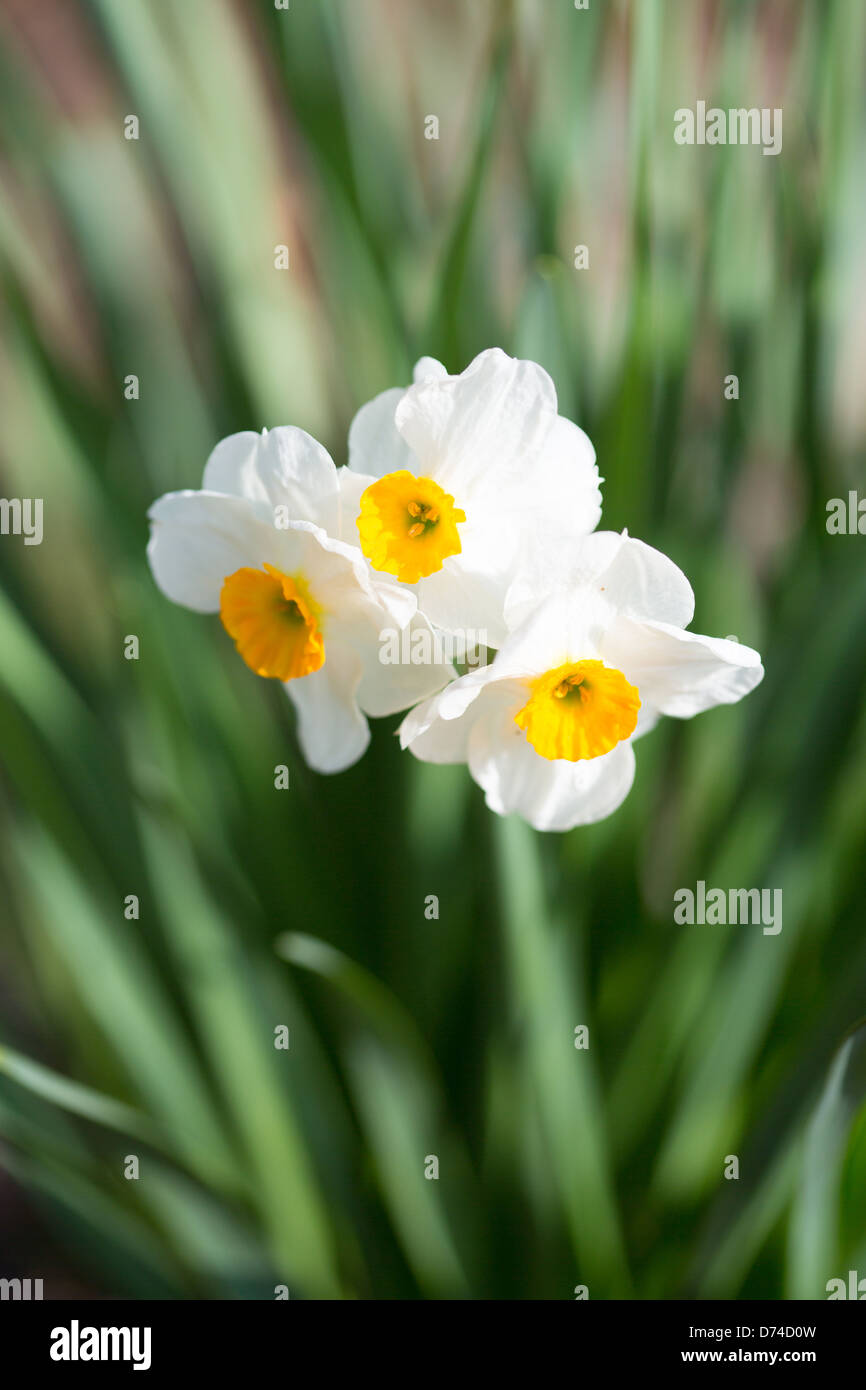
[(408, 525), (274, 622), (580, 710)]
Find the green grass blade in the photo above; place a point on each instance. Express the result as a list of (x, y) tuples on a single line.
[(814, 1251), (549, 1001), (72, 1096)]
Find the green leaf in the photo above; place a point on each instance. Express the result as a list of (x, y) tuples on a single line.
[(397, 1092), (814, 1246), (549, 1001), (72, 1096)]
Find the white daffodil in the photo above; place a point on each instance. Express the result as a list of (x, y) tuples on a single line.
[(460, 473), (547, 728), (261, 545)]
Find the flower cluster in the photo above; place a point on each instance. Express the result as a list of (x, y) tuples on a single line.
[(468, 505)]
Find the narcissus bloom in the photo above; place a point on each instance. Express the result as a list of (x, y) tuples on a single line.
[(458, 472), (547, 728), (261, 545)]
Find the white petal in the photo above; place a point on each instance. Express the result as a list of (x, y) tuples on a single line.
[(428, 369), (550, 794), (280, 467), (481, 427), (464, 599), (644, 583), (543, 570), (681, 673), (647, 718), (352, 485), (332, 731), (432, 739), (634, 578), (197, 538), (424, 668), (565, 627), (343, 584), (566, 492), (376, 447), (231, 467), (438, 731), (484, 684)]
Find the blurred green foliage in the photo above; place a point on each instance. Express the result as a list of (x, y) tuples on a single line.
[(412, 1037)]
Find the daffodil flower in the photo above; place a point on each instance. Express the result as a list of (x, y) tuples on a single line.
[(261, 545), (459, 472), (547, 728)]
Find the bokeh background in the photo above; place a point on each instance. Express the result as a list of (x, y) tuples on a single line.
[(409, 1036)]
